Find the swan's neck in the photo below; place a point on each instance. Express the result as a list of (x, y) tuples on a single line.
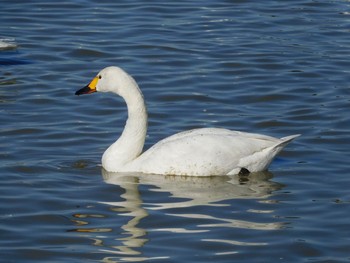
[(130, 144)]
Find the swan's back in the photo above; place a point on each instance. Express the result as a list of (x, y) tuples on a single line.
[(209, 151)]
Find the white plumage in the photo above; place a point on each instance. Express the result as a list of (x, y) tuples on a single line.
[(198, 152)]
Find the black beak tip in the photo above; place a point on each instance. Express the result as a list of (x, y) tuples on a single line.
[(85, 90)]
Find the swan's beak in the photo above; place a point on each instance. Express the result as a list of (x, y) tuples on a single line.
[(90, 88)]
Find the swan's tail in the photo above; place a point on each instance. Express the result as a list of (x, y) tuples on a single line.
[(271, 152), (284, 141), (261, 160), (287, 139)]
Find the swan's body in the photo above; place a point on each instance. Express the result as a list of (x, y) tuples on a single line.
[(198, 152)]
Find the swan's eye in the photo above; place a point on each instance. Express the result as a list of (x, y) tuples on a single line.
[(100, 77)]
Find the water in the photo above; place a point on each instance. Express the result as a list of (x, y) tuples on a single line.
[(275, 67)]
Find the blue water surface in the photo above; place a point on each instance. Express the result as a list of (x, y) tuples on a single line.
[(271, 67)]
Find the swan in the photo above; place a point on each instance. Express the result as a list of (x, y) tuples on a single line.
[(197, 152)]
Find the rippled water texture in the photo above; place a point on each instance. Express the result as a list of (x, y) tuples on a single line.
[(271, 67)]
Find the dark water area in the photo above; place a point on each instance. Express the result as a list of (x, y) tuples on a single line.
[(275, 67)]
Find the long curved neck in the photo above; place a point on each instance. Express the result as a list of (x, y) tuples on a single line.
[(130, 144)]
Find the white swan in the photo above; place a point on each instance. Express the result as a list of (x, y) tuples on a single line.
[(198, 152)]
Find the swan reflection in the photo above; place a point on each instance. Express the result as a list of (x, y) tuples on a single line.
[(186, 193), (196, 190)]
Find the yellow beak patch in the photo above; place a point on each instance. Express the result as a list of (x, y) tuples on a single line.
[(90, 88), (93, 83)]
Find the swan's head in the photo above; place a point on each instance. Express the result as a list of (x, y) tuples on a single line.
[(110, 79)]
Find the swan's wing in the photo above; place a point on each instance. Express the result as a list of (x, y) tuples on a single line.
[(208, 151)]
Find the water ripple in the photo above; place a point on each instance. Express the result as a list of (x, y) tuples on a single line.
[(273, 67)]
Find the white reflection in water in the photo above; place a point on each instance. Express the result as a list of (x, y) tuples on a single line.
[(7, 43), (197, 191)]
